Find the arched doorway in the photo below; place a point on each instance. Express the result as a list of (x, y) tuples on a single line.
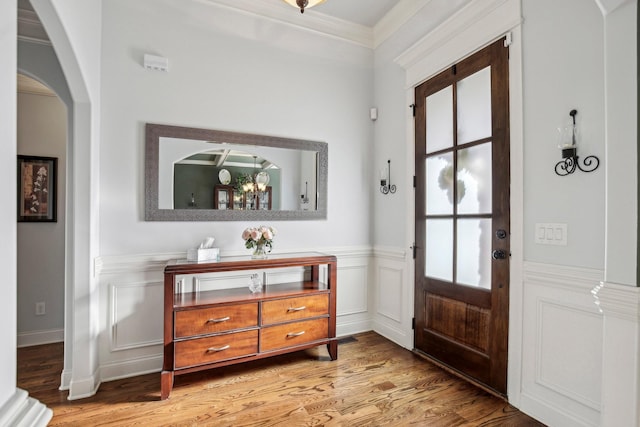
[(42, 132)]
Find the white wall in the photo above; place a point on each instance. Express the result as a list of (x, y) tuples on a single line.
[(621, 102), (239, 73), (42, 131), (563, 45), (8, 152)]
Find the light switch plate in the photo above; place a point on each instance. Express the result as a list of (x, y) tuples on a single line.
[(551, 234)]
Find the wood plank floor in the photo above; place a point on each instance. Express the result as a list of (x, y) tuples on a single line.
[(373, 383)]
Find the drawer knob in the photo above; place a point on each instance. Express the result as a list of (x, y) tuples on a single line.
[(294, 334), (217, 349), (220, 320), (297, 308)]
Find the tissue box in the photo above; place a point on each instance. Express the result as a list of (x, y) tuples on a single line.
[(208, 254)]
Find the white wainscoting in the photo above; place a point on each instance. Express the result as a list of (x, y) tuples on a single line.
[(562, 345), (392, 306), (131, 304)]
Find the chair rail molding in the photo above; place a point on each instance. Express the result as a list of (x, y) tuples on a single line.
[(620, 305)]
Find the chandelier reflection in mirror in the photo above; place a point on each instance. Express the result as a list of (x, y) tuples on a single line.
[(385, 180), (256, 182), (568, 144), (304, 4)]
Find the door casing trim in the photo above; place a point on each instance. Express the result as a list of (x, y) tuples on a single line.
[(422, 61)]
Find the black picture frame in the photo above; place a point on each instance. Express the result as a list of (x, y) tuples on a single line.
[(37, 189)]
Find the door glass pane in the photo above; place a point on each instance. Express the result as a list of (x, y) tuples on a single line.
[(439, 249), (474, 253), (474, 179), (439, 108), (439, 184), (474, 106)]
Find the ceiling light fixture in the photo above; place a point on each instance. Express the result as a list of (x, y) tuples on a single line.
[(304, 4)]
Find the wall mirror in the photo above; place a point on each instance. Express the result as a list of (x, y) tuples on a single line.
[(194, 174)]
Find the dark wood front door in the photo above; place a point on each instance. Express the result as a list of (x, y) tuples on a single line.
[(462, 217)]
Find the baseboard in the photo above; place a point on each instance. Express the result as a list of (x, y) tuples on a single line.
[(131, 367), (350, 328), (22, 410), (548, 413), (393, 334), (79, 389), (28, 339)]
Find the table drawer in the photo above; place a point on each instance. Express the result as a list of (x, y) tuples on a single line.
[(292, 334), (214, 349), (283, 310), (204, 321)]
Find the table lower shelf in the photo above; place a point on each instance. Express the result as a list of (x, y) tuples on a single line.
[(167, 377)]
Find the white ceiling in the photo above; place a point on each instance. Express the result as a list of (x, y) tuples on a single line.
[(363, 12)]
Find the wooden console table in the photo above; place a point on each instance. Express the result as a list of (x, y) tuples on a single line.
[(209, 329)]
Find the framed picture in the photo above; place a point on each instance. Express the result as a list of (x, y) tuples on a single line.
[(37, 178)]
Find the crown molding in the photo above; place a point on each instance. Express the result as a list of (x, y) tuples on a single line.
[(311, 20), (472, 13), (396, 18)]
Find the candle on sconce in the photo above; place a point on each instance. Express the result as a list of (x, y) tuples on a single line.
[(383, 177)]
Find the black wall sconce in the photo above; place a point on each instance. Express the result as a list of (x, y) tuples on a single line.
[(568, 144), (385, 180)]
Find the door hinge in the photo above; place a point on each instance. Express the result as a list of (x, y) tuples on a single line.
[(413, 323), (414, 248), (413, 109), (414, 181)]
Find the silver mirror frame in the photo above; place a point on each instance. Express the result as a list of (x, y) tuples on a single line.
[(153, 133)]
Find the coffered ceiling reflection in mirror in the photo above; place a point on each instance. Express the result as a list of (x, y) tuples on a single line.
[(194, 174)]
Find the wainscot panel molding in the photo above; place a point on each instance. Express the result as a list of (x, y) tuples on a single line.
[(393, 295), (620, 305), (135, 324), (131, 302), (562, 345)]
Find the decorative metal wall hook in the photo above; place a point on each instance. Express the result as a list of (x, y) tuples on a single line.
[(385, 181), (570, 159)]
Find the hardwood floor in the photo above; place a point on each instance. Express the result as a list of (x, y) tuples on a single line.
[(373, 383)]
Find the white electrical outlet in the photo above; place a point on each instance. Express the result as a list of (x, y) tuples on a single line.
[(40, 309)]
